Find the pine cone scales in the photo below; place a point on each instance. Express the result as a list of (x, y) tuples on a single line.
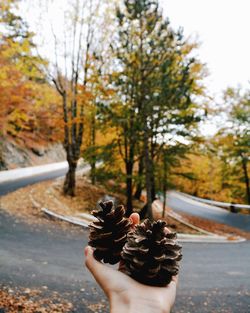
[(108, 235), (151, 254)]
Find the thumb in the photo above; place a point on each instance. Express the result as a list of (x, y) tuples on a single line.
[(135, 218), (100, 272)]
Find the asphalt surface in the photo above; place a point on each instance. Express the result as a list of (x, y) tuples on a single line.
[(175, 200), (213, 278), (13, 185), (49, 256), (180, 203)]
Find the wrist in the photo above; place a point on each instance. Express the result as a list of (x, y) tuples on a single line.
[(133, 304)]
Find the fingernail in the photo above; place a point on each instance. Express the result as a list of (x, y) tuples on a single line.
[(86, 250)]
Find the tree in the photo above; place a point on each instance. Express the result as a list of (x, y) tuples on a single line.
[(199, 173), (168, 160), (102, 92), (78, 36), (211, 170), (95, 124), (70, 73), (24, 91), (155, 79), (236, 133)]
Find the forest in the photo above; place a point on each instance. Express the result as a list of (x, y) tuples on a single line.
[(124, 90)]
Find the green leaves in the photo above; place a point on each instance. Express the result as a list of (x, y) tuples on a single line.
[(155, 79)]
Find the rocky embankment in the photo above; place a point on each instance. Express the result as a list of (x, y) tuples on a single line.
[(13, 155)]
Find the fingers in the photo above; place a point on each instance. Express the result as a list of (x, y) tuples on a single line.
[(170, 291), (100, 272), (167, 230), (175, 279), (135, 218)]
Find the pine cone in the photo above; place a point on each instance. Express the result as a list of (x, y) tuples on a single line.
[(108, 235), (151, 255)]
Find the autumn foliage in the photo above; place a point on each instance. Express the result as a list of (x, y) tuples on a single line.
[(29, 110), (130, 96)]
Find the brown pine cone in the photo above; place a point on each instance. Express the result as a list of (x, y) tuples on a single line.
[(108, 235), (151, 255)]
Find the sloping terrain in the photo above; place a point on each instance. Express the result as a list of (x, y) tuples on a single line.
[(14, 155)]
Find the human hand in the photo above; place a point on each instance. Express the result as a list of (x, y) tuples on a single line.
[(127, 295)]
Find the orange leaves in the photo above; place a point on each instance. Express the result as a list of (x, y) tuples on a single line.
[(13, 98), (84, 97), (25, 96), (26, 105)]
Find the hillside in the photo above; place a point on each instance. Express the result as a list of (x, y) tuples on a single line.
[(13, 155)]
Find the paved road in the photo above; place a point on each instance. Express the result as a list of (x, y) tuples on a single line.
[(184, 204), (214, 277), (15, 184), (175, 200)]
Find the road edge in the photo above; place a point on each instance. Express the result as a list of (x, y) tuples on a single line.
[(86, 219)]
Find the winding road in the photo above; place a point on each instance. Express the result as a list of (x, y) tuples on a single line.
[(22, 182), (181, 203), (214, 277), (13, 179), (176, 200)]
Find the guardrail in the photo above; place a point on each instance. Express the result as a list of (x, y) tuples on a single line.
[(225, 205)]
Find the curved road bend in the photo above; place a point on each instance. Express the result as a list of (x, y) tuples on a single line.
[(10, 186), (175, 200), (214, 277), (179, 202), (14, 179)]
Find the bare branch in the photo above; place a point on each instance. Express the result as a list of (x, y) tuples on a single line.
[(58, 88), (59, 82)]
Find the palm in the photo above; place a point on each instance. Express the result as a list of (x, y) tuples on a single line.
[(125, 285), (118, 285)]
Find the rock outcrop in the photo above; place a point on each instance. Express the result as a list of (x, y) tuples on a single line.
[(14, 156)]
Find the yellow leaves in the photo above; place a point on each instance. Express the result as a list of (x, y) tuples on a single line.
[(85, 96), (197, 68), (25, 105), (6, 4), (25, 46), (215, 178), (29, 106), (107, 93), (207, 172), (75, 120)]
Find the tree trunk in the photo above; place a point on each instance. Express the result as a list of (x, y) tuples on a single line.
[(70, 180), (152, 174), (246, 178), (138, 191), (93, 141), (93, 172), (153, 193), (144, 212), (148, 165), (129, 170), (164, 186)]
